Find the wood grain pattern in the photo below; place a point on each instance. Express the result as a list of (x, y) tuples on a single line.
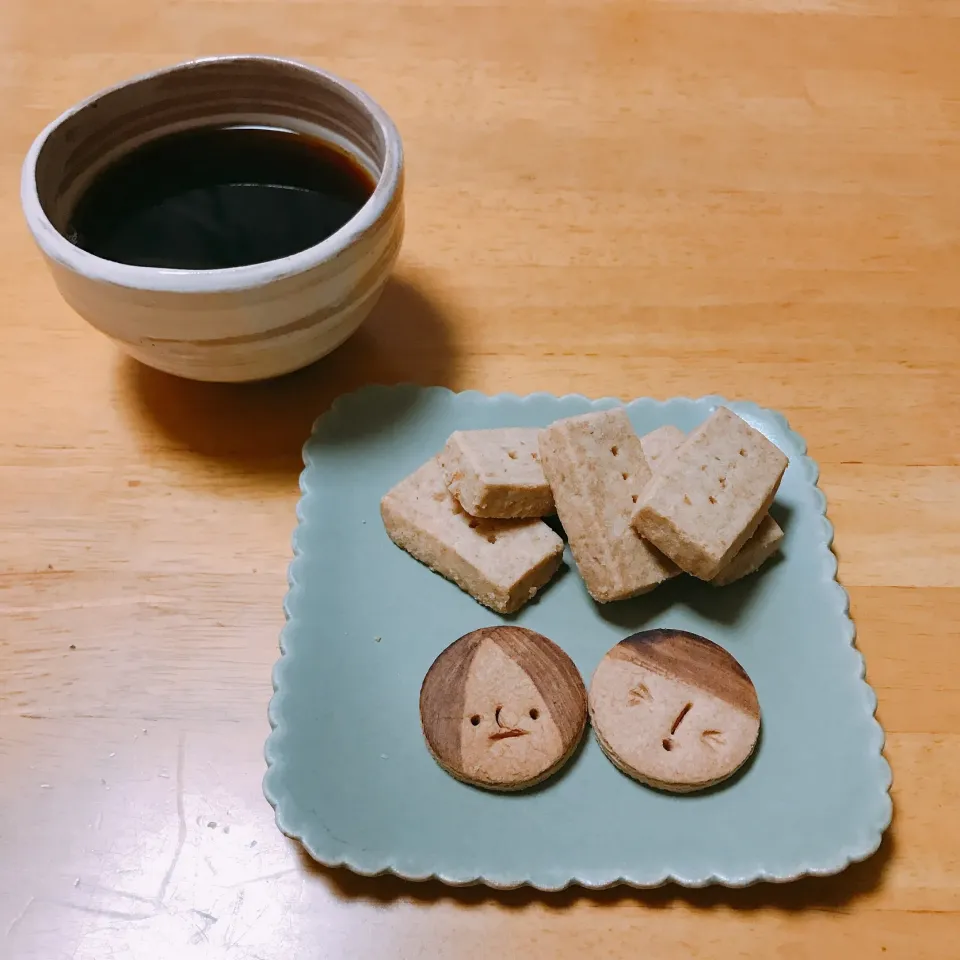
[(604, 197)]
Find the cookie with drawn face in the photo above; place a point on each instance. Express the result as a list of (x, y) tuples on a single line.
[(674, 710), (502, 708)]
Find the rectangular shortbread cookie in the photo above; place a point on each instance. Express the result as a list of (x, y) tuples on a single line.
[(501, 563), (497, 473), (658, 443), (710, 495), (753, 554), (597, 471), (756, 551)]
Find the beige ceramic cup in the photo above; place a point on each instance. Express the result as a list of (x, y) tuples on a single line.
[(241, 323)]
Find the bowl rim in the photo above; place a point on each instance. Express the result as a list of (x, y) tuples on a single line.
[(226, 279)]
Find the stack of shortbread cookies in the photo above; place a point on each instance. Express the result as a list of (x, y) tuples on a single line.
[(636, 510)]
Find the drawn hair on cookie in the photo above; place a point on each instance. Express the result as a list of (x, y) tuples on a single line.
[(678, 655), (443, 693)]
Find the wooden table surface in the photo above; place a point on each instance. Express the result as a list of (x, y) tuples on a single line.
[(604, 196)]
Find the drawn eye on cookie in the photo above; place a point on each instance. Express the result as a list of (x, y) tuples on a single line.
[(502, 708), (674, 710)]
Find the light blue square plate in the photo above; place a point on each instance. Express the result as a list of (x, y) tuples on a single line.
[(348, 772)]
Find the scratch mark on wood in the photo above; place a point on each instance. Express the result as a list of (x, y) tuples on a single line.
[(113, 891), (208, 921), (249, 929), (181, 820), (260, 879), (18, 919), (102, 912)]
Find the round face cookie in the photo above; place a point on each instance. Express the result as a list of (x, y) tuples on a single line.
[(502, 708), (673, 710)]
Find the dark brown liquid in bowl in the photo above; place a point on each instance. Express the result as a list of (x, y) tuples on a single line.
[(219, 197)]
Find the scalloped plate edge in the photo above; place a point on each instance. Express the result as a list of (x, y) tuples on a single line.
[(333, 857)]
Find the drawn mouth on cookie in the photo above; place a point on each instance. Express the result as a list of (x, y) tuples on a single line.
[(507, 734)]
